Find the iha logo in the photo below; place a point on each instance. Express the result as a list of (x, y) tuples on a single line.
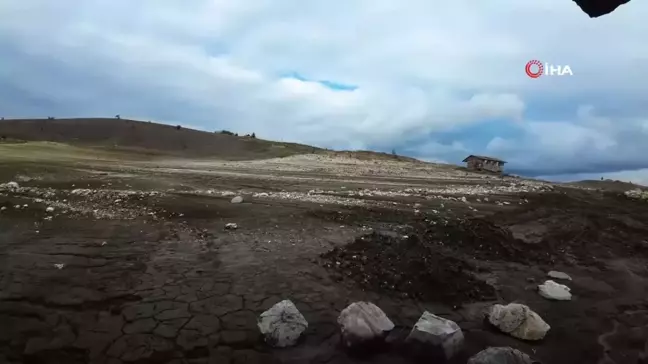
[(535, 69)]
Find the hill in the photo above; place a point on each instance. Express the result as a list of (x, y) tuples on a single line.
[(147, 137), (607, 185)]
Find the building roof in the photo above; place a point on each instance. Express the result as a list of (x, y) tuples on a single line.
[(484, 158)]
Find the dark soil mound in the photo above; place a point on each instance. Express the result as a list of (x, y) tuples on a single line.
[(409, 266), (481, 240)]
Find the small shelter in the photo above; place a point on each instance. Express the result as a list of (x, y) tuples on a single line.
[(479, 162)]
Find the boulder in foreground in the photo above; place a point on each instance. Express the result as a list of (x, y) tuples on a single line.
[(363, 324), (282, 325), (518, 321), (501, 355), (435, 338)]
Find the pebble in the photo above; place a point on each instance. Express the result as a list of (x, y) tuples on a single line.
[(558, 275)]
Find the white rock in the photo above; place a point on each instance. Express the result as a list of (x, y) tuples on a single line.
[(518, 321), (228, 193), (282, 324), (262, 194), (11, 185), (237, 199), (363, 322), (435, 337), (554, 291), (558, 275), (3, 208), (25, 206), (59, 265), (500, 355), (231, 226), (49, 209), (463, 199)]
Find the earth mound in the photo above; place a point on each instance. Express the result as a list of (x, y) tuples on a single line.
[(412, 267)]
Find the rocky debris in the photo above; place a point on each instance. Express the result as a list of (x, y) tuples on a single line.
[(282, 325), (637, 194), (261, 194), (519, 321), (231, 226), (596, 8), (11, 186), (554, 291), (96, 202), (225, 193), (237, 199), (435, 338), (410, 267), (501, 355), (49, 209), (558, 275), (363, 324)]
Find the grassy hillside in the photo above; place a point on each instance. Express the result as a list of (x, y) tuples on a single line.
[(145, 137)]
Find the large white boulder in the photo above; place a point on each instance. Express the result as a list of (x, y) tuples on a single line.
[(282, 324), (554, 291), (237, 199), (518, 321), (501, 355), (363, 323), (435, 338)]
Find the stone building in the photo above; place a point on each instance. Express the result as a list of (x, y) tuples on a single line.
[(479, 163)]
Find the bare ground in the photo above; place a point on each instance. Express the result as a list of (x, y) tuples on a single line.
[(150, 275)]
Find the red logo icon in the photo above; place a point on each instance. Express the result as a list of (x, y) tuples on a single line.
[(539, 68)]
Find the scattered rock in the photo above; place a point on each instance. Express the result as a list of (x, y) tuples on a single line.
[(500, 355), (463, 199), (231, 226), (637, 194), (518, 321), (49, 209), (261, 194), (558, 275), (435, 338), (554, 291), (282, 325), (17, 206), (10, 185), (363, 324), (237, 199), (228, 194)]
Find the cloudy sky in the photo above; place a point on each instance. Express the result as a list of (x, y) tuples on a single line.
[(434, 80)]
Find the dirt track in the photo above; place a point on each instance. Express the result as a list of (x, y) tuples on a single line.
[(155, 277)]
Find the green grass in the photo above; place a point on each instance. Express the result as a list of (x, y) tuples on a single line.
[(52, 152)]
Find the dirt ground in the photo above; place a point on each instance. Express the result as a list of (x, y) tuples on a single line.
[(134, 264)]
